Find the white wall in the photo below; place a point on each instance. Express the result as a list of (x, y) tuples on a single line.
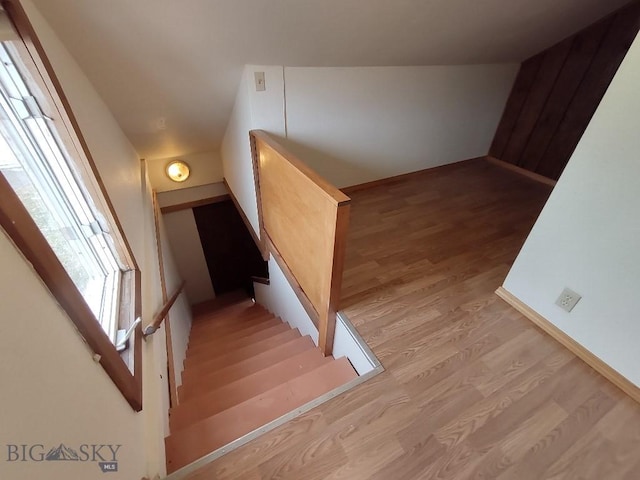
[(53, 391), (154, 361), (267, 107), (205, 168), (184, 240), (236, 153), (180, 314), (345, 344), (588, 234), (205, 181), (180, 330), (280, 299), (252, 110), (358, 124), (186, 195)]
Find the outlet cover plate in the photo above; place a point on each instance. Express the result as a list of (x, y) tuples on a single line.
[(260, 85), (568, 299)]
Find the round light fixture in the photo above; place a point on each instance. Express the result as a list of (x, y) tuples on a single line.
[(178, 171)]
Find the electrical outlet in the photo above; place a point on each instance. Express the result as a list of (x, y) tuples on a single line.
[(568, 299)]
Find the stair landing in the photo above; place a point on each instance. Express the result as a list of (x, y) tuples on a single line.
[(244, 369)]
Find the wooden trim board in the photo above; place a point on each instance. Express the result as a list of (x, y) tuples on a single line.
[(574, 347), (519, 170), (259, 243), (399, 178), (195, 203), (256, 182), (383, 181), (326, 334)]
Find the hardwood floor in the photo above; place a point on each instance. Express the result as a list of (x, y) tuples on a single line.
[(472, 390)]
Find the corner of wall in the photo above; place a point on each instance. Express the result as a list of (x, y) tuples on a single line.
[(252, 110), (279, 298), (586, 236)]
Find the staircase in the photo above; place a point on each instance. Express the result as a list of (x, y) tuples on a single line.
[(244, 368)]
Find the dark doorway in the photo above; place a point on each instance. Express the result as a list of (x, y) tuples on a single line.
[(231, 254)]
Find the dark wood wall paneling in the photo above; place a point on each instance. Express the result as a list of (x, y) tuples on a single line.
[(557, 92), (231, 254)]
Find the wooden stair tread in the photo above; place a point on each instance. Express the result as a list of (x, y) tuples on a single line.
[(191, 443), (219, 399), (191, 385), (221, 302), (229, 319), (208, 341), (204, 311), (230, 330), (232, 342), (200, 366)]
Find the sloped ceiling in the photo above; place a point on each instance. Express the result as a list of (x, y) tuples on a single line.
[(181, 60)]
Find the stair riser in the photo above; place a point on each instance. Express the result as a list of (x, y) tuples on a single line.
[(194, 385), (226, 300), (199, 366), (225, 322), (244, 337), (210, 402), (242, 330), (241, 324), (189, 444), (228, 311)]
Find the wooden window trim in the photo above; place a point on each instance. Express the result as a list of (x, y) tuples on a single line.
[(125, 370)]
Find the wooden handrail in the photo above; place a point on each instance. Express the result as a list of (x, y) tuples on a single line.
[(157, 320), (327, 188), (303, 224)]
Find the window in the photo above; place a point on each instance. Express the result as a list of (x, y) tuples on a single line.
[(37, 166), (56, 210)]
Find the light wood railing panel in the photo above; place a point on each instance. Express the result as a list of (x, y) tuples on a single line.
[(304, 219)]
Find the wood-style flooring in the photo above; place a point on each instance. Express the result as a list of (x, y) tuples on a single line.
[(244, 368), (472, 390)]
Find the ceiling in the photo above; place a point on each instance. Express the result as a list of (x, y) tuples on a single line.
[(181, 60)]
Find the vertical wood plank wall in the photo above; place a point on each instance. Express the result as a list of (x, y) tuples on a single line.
[(557, 92), (229, 250)]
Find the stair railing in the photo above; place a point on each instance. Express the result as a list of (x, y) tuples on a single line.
[(303, 224), (160, 316)]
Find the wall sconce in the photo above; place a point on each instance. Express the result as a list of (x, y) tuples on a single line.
[(178, 171)]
